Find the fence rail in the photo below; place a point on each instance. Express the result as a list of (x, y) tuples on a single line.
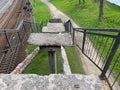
[(11, 41), (102, 48)]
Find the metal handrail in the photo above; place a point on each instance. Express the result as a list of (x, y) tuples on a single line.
[(91, 38), (100, 29)]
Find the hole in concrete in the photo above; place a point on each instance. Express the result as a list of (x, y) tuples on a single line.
[(76, 86)]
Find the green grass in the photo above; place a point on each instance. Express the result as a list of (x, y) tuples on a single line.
[(40, 11), (88, 16), (59, 62), (30, 48), (39, 65), (74, 59)]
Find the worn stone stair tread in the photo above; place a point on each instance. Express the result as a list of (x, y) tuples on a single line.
[(51, 82), (44, 29), (54, 27), (50, 39)]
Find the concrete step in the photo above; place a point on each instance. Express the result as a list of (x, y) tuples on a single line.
[(51, 82), (54, 28), (50, 39)]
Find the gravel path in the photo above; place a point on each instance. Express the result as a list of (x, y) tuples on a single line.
[(89, 68)]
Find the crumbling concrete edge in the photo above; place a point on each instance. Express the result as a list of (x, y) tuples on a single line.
[(66, 67), (20, 67)]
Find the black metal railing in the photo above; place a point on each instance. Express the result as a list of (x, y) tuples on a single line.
[(11, 41), (102, 48), (35, 27), (69, 28)]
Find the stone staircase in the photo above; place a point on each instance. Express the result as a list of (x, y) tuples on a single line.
[(53, 36)]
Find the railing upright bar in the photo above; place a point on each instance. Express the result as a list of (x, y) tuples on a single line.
[(73, 36), (107, 53), (114, 65), (31, 28), (83, 43), (19, 37), (111, 56), (116, 79), (24, 27), (69, 24), (8, 40), (41, 25)]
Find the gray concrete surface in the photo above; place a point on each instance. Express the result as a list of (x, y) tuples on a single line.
[(51, 82), (47, 39), (54, 27)]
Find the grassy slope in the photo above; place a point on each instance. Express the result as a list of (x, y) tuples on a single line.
[(40, 11), (88, 16)]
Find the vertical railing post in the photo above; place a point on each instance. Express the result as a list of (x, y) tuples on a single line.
[(73, 36), (41, 25), (32, 31), (84, 38), (24, 28), (70, 28), (36, 28), (111, 56), (7, 40), (19, 37)]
